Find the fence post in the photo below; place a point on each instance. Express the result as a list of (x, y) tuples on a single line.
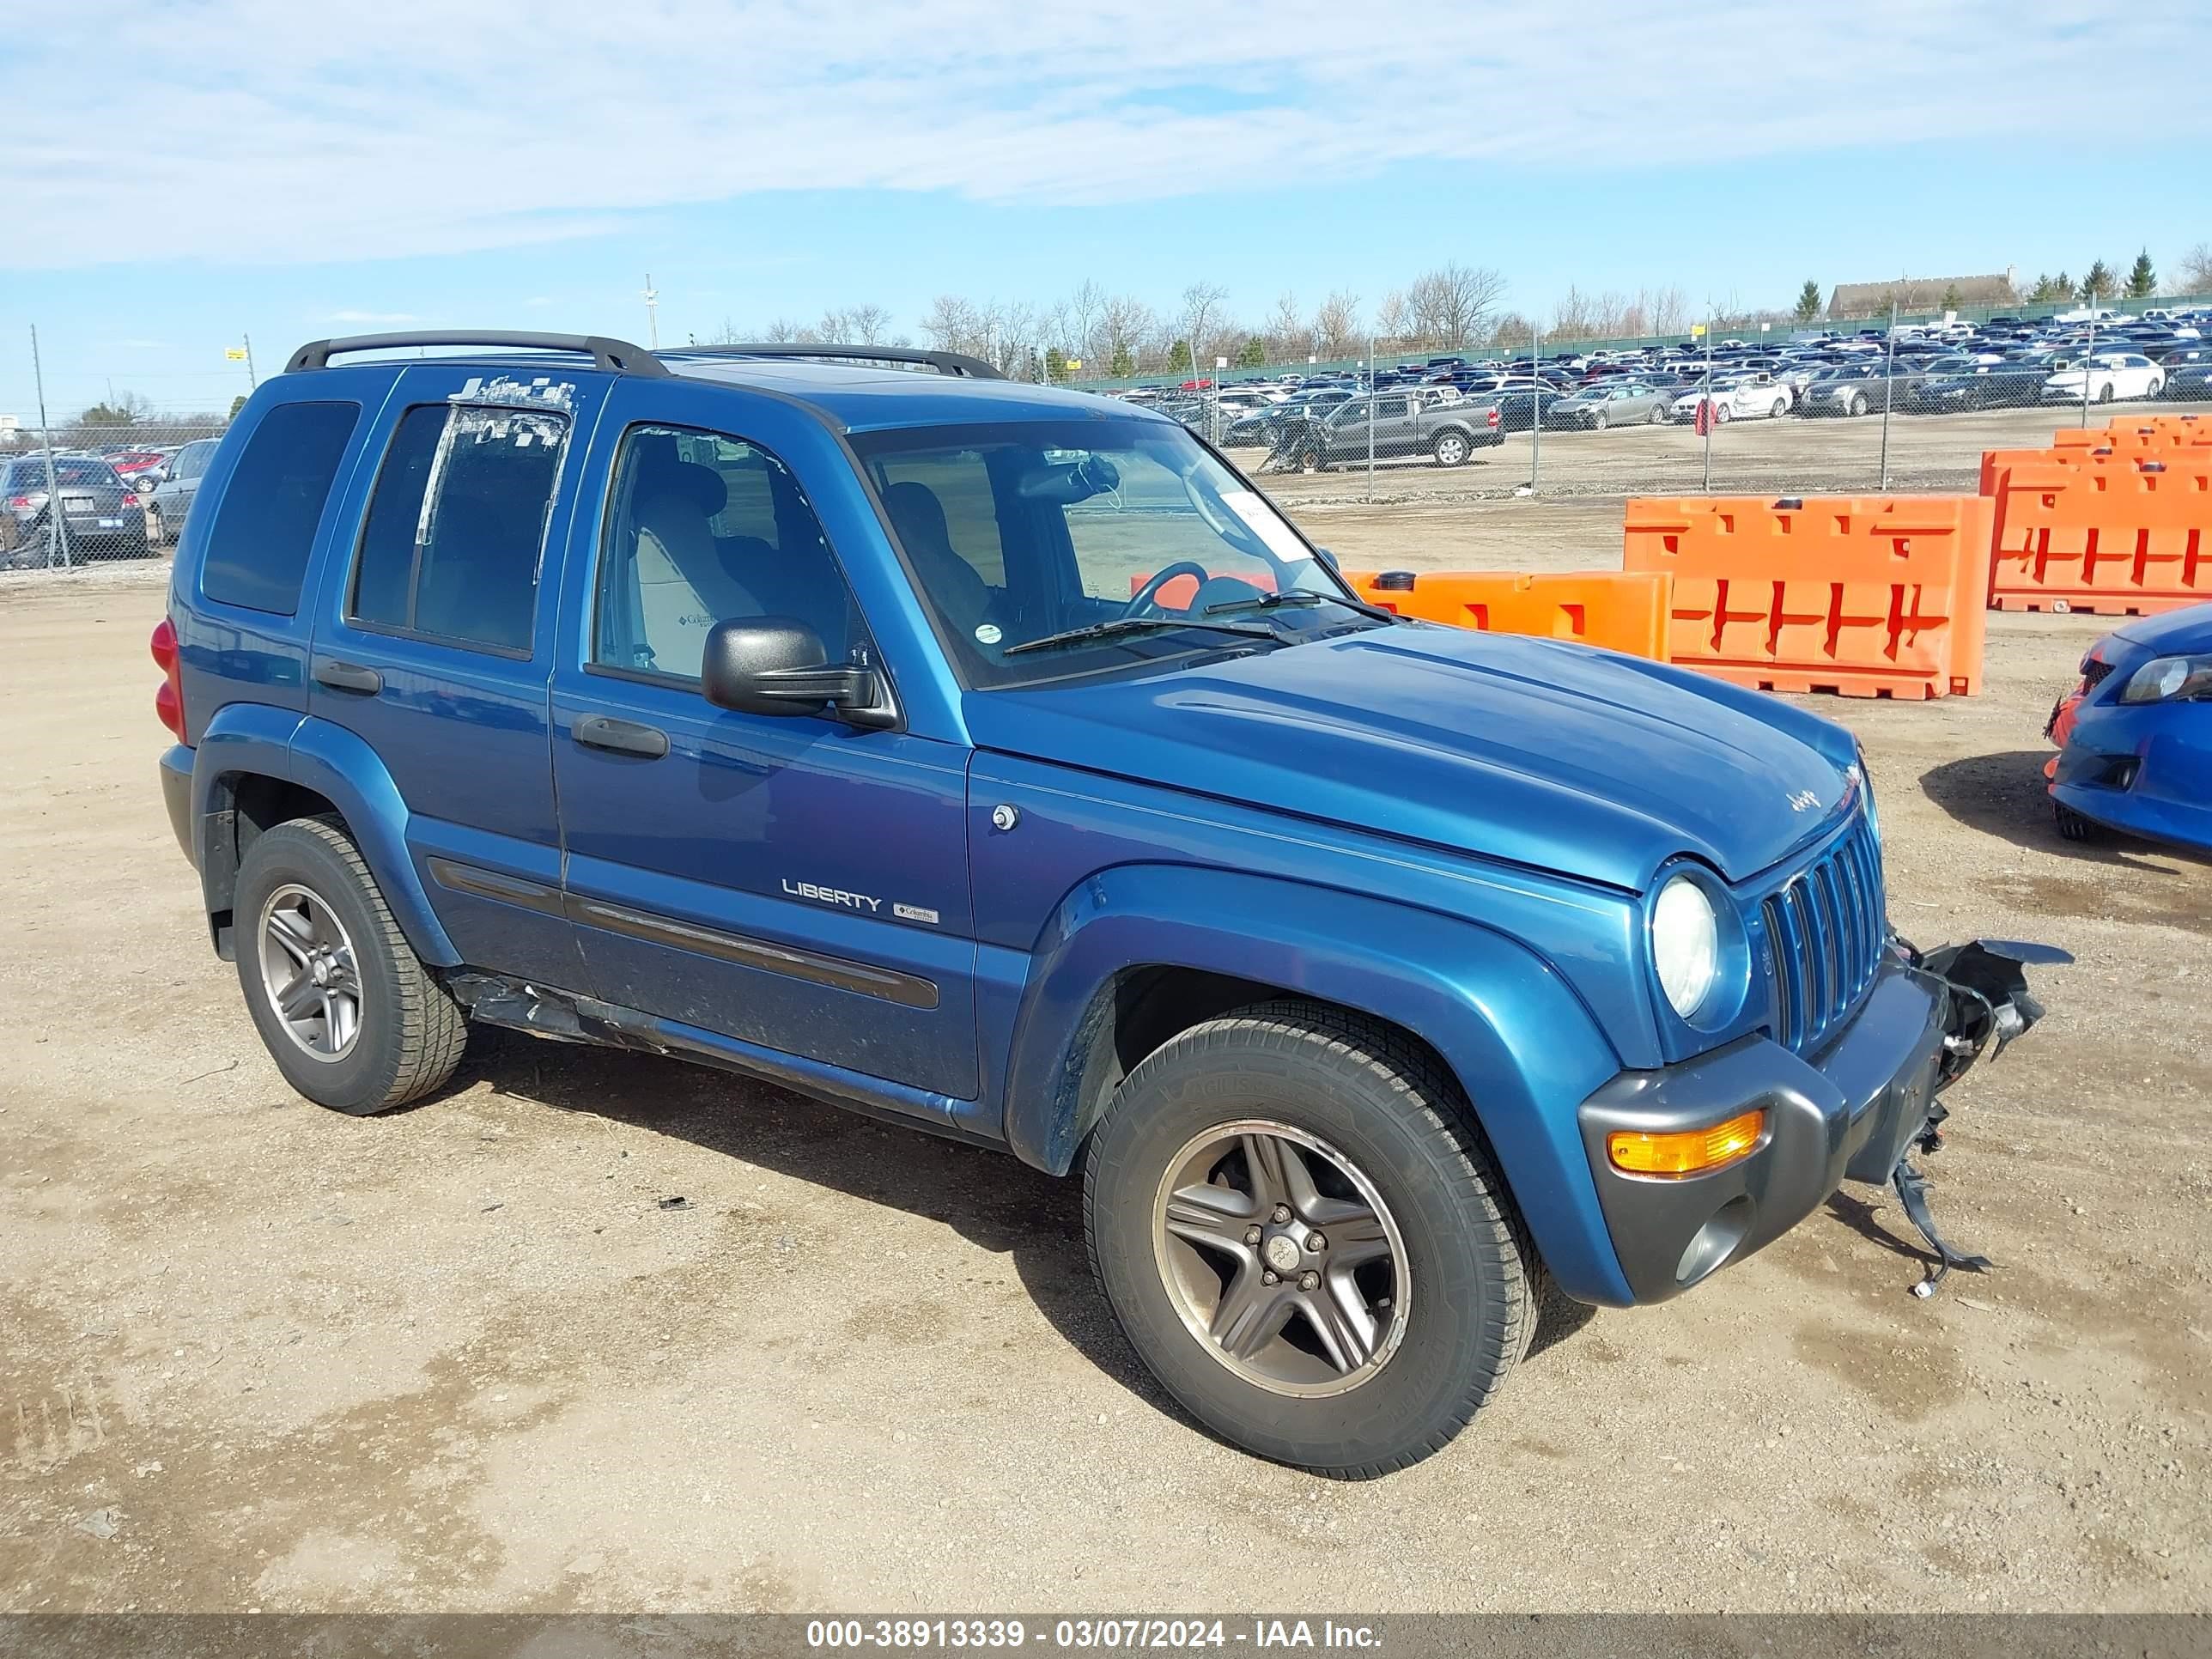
[(57, 532), (1888, 394), (1536, 411), (1373, 392)]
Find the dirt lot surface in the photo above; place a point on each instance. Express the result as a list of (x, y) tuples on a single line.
[(256, 1355)]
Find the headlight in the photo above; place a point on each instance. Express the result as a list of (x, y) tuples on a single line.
[(1686, 945), (1866, 793), (2170, 680)]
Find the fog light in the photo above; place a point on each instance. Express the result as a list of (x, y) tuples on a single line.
[(1687, 1151)]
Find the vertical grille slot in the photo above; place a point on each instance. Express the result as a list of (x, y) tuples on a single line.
[(1825, 928)]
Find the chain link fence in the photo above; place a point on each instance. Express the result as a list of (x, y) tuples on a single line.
[(80, 495), (1859, 406)]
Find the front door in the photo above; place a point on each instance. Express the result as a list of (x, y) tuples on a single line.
[(791, 882)]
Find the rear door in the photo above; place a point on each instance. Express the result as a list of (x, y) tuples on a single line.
[(434, 643)]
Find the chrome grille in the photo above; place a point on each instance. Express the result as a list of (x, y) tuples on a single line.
[(1825, 933)]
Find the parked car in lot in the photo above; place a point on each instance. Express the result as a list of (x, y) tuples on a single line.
[(2191, 380), (1857, 388), (1736, 398), (101, 516), (1609, 402), (1375, 976), (1976, 386), (180, 481), (2135, 736), (2109, 375)]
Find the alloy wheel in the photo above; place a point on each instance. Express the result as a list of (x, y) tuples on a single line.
[(1281, 1258), (309, 972)]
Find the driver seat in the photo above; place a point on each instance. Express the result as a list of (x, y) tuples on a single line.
[(953, 585)]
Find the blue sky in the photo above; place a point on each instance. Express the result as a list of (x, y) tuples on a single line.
[(283, 171)]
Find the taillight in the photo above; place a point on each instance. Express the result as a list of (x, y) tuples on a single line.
[(20, 501), (169, 701), (1493, 417), (130, 500)]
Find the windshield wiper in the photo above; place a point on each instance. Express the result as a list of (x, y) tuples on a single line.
[(1120, 625), (1303, 596)]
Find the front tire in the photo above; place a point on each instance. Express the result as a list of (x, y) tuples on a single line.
[(350, 1013), (1300, 1228), (1858, 403)]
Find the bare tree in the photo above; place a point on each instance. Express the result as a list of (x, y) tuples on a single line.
[(1394, 317), (2193, 274), (1670, 311), (1202, 316), (1336, 325), (781, 331), (1084, 309), (864, 325), (1286, 334), (1446, 306), (1126, 326)]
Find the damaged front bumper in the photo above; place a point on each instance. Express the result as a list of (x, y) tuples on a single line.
[(1855, 1111)]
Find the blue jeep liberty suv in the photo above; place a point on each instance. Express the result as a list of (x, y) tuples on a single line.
[(997, 760)]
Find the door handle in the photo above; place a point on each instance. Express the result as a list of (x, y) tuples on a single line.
[(346, 677), (622, 737)]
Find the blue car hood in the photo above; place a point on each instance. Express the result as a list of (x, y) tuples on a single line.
[(1545, 754), (2178, 633)]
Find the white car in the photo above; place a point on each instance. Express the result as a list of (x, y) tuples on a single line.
[(1750, 397), (2110, 374)]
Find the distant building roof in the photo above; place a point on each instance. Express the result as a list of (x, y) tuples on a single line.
[(1918, 294)]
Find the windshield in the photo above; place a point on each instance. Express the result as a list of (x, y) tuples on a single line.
[(1018, 534)]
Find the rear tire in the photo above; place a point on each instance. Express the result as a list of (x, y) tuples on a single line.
[(1858, 402), (307, 911), (1451, 450), (1443, 1301)]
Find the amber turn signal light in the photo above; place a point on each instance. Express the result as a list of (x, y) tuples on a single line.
[(1687, 1151)]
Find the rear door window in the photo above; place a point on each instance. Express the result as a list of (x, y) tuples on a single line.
[(257, 551), (456, 530)]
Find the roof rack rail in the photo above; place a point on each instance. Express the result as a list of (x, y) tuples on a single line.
[(617, 357), (945, 362)]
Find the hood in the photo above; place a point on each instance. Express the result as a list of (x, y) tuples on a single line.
[(1547, 755), (2177, 633)]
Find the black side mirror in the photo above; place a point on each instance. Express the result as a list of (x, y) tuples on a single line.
[(777, 665), (1327, 556)]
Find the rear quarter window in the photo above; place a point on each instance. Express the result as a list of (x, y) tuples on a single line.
[(256, 553)]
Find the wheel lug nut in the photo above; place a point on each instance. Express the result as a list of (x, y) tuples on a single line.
[(1308, 1281), (1268, 1277), (1251, 1234), (1282, 1212), (1316, 1242)]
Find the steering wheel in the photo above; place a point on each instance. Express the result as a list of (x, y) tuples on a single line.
[(1147, 597)]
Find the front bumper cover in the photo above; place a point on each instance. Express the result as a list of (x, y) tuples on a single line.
[(1852, 1111)]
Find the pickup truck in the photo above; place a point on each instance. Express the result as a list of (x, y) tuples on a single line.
[(997, 760), (1430, 422)]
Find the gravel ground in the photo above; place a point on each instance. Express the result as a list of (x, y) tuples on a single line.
[(255, 1355)]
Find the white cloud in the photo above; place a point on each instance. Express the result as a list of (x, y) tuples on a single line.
[(275, 131)]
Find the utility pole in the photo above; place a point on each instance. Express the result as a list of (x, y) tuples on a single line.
[(57, 536), (246, 340), (652, 313), (1888, 392)]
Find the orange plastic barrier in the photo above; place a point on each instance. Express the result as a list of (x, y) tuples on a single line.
[(1874, 597), (1995, 461), (1620, 611), (2122, 535)]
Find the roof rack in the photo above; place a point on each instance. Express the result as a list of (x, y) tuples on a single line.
[(945, 362), (617, 357)]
